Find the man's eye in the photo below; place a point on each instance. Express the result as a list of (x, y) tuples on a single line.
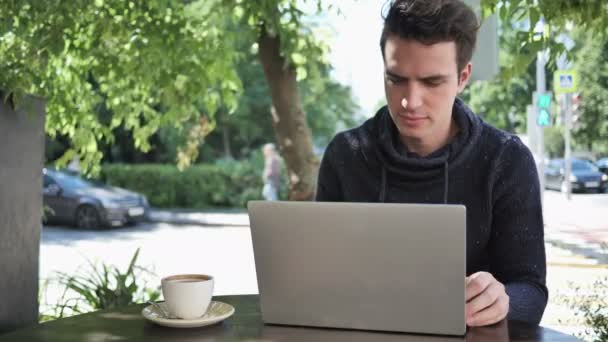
[(432, 84), (394, 80)]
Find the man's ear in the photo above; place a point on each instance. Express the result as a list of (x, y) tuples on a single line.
[(464, 77)]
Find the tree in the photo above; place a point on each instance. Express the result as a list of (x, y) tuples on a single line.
[(590, 19), (557, 15), (150, 63), (329, 107), (154, 63), (502, 101), (592, 64)]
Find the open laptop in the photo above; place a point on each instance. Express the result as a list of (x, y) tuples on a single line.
[(369, 266)]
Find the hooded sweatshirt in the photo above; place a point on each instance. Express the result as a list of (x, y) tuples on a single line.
[(489, 171)]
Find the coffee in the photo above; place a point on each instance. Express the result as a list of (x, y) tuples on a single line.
[(184, 280)]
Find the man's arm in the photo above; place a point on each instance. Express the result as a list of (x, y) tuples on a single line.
[(517, 249), (328, 184)]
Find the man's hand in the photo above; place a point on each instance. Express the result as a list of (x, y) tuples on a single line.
[(486, 300)]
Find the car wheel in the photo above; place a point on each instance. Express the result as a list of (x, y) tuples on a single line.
[(87, 217)]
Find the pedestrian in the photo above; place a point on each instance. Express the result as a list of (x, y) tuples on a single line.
[(427, 146), (272, 173)]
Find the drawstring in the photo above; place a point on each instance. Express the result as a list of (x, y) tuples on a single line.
[(445, 181), (383, 186), (446, 174)]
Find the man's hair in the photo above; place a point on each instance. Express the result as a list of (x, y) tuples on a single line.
[(433, 21)]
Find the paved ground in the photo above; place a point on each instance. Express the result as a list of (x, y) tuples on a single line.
[(579, 224), (219, 243)]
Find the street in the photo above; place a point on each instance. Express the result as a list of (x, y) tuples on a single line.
[(574, 231), (225, 253)]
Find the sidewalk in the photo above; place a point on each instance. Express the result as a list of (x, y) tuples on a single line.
[(212, 218), (579, 224)]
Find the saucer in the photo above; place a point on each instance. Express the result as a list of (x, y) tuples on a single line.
[(216, 312)]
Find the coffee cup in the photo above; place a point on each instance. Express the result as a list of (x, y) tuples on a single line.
[(187, 296)]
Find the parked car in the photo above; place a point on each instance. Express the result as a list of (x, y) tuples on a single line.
[(68, 198), (602, 164), (585, 176)]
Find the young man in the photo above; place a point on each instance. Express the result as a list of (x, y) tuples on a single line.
[(427, 146)]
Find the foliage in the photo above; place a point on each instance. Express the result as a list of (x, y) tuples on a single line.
[(287, 20), (145, 65), (591, 304), (329, 106), (150, 63), (558, 15), (554, 141), (225, 183), (502, 102), (591, 130), (100, 287)]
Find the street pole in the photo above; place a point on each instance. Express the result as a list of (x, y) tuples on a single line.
[(541, 87), (567, 157)]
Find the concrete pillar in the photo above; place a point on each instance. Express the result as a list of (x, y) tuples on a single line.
[(21, 161)]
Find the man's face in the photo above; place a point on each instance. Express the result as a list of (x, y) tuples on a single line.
[(427, 77)]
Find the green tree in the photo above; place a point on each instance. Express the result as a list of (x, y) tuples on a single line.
[(156, 63), (150, 63), (329, 107), (591, 129), (502, 101), (558, 15), (554, 141)]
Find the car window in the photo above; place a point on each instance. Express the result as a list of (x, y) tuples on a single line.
[(583, 165), (71, 182), (556, 164)]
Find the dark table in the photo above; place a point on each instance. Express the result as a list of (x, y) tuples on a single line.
[(127, 324)]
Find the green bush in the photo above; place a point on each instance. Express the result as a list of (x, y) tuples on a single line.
[(225, 183)]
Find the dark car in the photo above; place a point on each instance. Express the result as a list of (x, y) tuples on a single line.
[(585, 176), (602, 164), (71, 199)]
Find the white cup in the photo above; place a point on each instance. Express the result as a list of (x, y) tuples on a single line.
[(187, 296)]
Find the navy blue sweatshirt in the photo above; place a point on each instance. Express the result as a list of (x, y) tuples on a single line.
[(489, 171)]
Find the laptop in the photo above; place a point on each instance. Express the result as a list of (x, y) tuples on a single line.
[(369, 266)]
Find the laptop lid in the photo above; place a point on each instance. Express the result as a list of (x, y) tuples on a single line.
[(370, 266)]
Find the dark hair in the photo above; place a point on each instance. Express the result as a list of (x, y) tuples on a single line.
[(433, 21)]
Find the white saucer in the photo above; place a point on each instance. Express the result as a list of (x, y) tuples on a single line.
[(216, 312)]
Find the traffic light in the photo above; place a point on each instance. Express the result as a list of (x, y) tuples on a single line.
[(576, 106), (543, 104)]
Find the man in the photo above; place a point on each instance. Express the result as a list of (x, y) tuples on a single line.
[(427, 146), (272, 173)]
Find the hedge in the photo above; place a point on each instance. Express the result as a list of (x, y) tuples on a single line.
[(226, 183)]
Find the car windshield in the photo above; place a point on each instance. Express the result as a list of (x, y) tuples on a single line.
[(71, 182), (582, 165)]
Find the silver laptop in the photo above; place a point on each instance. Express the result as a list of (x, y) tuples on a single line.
[(370, 266)]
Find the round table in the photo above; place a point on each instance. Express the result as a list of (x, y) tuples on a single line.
[(127, 324)]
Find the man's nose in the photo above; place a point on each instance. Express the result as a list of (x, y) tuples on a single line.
[(413, 97)]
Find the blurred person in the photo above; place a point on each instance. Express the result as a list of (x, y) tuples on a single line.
[(427, 146), (272, 173)]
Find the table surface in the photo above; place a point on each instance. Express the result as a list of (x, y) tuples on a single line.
[(127, 324)]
